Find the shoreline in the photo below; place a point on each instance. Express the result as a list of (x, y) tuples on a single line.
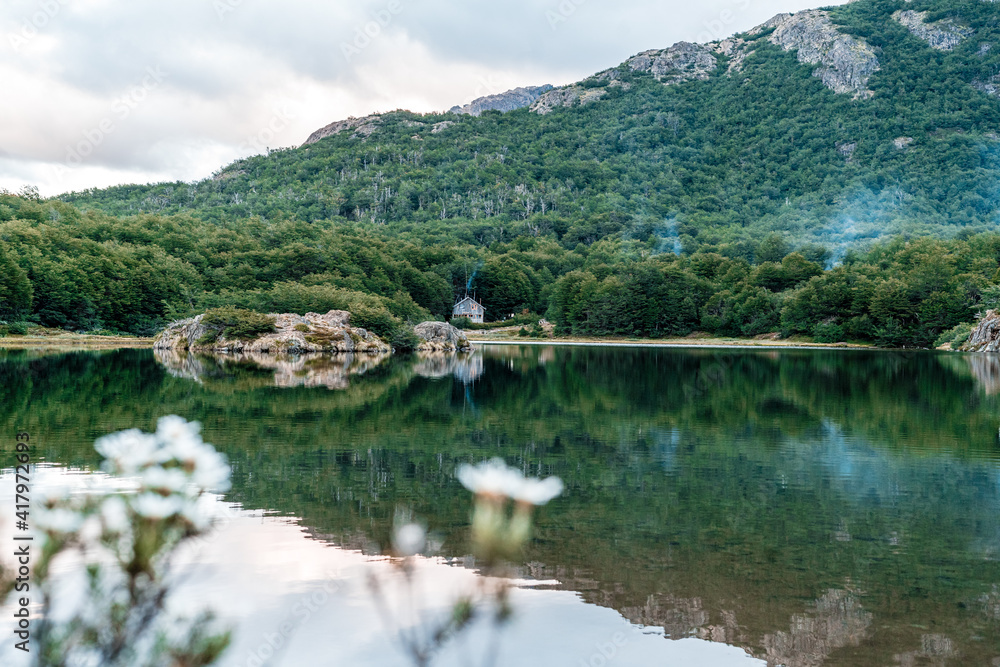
[(713, 343), (74, 342), (86, 342)]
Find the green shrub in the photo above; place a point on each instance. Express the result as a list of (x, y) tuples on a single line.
[(235, 323), (956, 336), (404, 338), (304, 328), (828, 332), (18, 328), (465, 323), (522, 332), (521, 319)]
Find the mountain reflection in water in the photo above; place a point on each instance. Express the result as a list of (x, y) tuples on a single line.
[(811, 507)]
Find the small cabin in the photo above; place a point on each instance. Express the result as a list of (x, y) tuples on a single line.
[(469, 307)]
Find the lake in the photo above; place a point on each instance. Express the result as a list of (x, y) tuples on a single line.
[(722, 507)]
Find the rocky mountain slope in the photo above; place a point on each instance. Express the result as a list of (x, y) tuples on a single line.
[(832, 126), (986, 335)]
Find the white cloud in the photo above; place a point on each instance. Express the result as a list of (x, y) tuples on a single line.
[(242, 74)]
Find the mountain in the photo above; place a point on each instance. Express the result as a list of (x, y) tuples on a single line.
[(831, 126)]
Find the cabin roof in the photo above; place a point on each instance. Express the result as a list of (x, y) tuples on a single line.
[(469, 299)]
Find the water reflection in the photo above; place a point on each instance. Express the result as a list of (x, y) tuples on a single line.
[(836, 620), (810, 507), (293, 600), (332, 371), (466, 367)]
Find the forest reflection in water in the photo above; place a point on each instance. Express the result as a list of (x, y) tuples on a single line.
[(833, 508)]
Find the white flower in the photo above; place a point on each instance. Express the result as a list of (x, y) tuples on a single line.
[(536, 491), (155, 506), (211, 470), (128, 452), (409, 539), (173, 480), (58, 520), (132, 452), (90, 530), (114, 514), (496, 478), (492, 478), (175, 429), (181, 439), (197, 515), (185, 450)]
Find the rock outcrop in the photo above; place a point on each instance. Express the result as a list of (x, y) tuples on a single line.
[(441, 337), (566, 97), (362, 127), (737, 50), (943, 35), (846, 63), (990, 86), (986, 336), (683, 61), (518, 98), (293, 334)]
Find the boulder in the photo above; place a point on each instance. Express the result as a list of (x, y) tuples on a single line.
[(986, 336), (293, 334), (440, 337)]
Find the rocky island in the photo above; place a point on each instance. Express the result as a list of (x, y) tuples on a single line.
[(239, 331), (233, 330)]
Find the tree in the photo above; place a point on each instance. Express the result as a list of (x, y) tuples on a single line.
[(15, 289)]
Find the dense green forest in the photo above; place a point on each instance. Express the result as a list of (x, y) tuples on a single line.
[(91, 271), (755, 201)]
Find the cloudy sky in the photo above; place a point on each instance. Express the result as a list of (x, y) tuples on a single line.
[(102, 92)]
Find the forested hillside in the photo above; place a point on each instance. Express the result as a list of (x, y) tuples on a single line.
[(832, 174), (760, 144)]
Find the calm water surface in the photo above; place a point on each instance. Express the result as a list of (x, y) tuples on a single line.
[(801, 508)]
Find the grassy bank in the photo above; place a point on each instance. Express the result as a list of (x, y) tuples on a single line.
[(512, 335), (40, 337)]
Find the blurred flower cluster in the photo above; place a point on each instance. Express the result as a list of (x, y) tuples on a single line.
[(502, 518), (504, 509), (127, 542)]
